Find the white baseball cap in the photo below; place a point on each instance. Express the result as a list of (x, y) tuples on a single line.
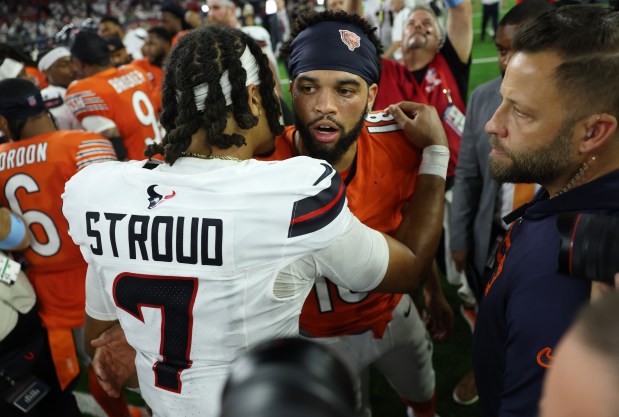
[(10, 68)]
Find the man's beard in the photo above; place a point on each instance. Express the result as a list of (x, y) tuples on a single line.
[(540, 166), (158, 59), (414, 44), (332, 153)]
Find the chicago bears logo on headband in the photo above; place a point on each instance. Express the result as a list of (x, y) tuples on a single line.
[(350, 39)]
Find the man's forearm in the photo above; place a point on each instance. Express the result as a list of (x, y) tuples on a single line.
[(117, 142), (422, 221), (460, 28)]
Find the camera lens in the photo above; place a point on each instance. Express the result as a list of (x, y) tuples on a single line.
[(589, 246)]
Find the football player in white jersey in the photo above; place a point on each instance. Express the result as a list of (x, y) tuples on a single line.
[(211, 252)]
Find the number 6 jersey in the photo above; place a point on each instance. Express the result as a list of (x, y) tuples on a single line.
[(188, 259), (33, 172)]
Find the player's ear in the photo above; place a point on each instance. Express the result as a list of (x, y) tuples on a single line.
[(372, 91), (254, 99)]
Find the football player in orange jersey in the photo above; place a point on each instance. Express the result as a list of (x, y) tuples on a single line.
[(115, 102), (35, 163), (334, 66), (184, 115), (156, 47), (196, 133), (332, 104)]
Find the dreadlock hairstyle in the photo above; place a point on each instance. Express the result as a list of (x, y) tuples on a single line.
[(201, 57), (307, 19)]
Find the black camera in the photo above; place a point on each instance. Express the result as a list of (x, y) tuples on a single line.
[(589, 246)]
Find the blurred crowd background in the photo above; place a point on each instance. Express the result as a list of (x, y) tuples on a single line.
[(30, 25)]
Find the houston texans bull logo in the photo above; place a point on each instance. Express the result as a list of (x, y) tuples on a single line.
[(154, 198), (350, 39)]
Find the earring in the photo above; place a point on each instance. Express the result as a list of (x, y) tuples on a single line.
[(259, 112)]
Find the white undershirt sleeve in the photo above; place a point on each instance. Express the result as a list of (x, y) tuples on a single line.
[(97, 124), (357, 260), (98, 303)]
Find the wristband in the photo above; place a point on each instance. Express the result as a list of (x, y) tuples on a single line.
[(453, 3), (434, 161), (16, 234)]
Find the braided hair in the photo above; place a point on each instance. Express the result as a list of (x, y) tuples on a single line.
[(310, 18), (201, 57)]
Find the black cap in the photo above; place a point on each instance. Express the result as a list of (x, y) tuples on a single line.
[(115, 43), (90, 48), (19, 99)]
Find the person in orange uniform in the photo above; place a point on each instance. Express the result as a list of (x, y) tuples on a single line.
[(35, 163), (156, 47), (334, 66), (115, 102)]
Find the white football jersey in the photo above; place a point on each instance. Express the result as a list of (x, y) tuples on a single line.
[(186, 257), (54, 96)]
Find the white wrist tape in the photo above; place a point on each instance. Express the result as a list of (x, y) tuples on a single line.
[(434, 161)]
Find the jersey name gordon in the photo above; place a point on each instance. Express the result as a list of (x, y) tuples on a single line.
[(156, 238), (23, 155)]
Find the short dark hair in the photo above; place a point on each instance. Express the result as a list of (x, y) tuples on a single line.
[(90, 48), (526, 10), (587, 39), (307, 19), (111, 19), (176, 11), (588, 81), (571, 31), (161, 33), (201, 57)]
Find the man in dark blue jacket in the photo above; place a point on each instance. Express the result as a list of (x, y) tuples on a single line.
[(556, 126)]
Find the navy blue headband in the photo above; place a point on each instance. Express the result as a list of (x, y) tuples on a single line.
[(334, 46)]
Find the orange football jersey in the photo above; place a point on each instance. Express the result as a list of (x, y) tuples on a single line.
[(379, 183), (123, 95), (155, 75), (37, 77), (32, 174)]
